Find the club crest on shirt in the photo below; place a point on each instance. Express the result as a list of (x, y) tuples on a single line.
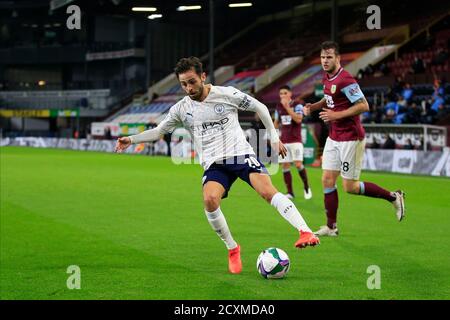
[(333, 88), (219, 108)]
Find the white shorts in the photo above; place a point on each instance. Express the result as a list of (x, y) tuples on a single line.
[(344, 156), (294, 153)]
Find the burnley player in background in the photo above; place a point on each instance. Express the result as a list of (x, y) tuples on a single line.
[(288, 118), (343, 153)]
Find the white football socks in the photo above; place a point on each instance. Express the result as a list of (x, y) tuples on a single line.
[(217, 221), (288, 210)]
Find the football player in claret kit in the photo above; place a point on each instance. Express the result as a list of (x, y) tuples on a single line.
[(343, 153), (210, 114), (288, 118)]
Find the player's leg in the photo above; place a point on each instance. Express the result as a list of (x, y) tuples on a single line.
[(331, 203), (304, 176), (367, 189), (298, 160), (331, 170), (286, 166), (297, 151), (288, 179), (352, 158), (212, 195), (216, 186), (263, 186)]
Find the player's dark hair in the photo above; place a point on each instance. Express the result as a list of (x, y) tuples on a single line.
[(330, 45), (285, 87), (186, 64)]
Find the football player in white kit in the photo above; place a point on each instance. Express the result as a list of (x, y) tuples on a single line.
[(210, 114)]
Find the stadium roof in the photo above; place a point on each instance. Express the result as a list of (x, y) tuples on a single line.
[(27, 10)]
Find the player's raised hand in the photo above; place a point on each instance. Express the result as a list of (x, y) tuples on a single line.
[(307, 109), (122, 144)]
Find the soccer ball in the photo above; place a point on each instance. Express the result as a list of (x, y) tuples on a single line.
[(273, 263)]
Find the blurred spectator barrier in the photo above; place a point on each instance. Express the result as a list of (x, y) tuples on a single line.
[(433, 163), (422, 137)]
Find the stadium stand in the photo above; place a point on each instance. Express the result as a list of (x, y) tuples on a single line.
[(143, 113), (262, 47), (411, 86), (251, 52)]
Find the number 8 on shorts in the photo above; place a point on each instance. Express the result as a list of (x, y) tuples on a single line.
[(344, 156)]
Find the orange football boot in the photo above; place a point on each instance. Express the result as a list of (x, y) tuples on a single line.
[(234, 260), (307, 239)]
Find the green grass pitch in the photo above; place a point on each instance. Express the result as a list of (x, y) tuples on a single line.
[(135, 226)]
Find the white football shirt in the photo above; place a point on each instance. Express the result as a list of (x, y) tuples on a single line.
[(213, 123)]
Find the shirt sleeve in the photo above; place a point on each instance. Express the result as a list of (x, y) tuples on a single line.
[(243, 101), (172, 119), (167, 125), (353, 92), (298, 109)]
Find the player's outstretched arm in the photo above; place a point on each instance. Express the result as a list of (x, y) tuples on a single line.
[(122, 144), (165, 126), (266, 119), (145, 136), (311, 107), (360, 106), (245, 102)]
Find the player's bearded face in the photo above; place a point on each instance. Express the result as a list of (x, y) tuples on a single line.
[(329, 60), (192, 84)]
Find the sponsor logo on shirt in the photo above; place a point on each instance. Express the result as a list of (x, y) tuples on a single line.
[(207, 128), (286, 120), (329, 101), (212, 124)]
